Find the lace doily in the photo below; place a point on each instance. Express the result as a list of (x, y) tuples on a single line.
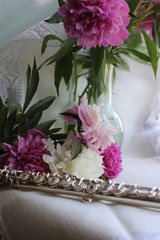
[(12, 87)]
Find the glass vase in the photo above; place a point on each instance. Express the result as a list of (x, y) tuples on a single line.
[(98, 89), (109, 112)]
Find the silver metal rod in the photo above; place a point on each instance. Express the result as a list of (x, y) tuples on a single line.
[(87, 189), (95, 197)]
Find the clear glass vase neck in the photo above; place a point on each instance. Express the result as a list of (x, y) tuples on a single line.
[(106, 96)]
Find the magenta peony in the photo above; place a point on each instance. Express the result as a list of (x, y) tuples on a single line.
[(96, 22), (112, 161), (26, 153)]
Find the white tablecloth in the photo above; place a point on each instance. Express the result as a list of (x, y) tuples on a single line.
[(35, 215)]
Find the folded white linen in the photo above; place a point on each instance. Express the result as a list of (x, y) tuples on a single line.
[(35, 215)]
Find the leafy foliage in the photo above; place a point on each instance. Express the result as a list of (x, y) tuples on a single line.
[(99, 56), (16, 120)]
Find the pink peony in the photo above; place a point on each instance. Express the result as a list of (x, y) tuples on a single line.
[(112, 161), (26, 153), (90, 115), (148, 22), (148, 25), (96, 22), (97, 133), (99, 137)]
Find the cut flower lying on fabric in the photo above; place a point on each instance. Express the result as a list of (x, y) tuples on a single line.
[(88, 152), (87, 164)]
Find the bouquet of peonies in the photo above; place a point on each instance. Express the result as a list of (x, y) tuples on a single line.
[(106, 30), (89, 151)]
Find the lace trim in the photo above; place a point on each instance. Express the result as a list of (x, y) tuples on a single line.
[(11, 83), (40, 30)]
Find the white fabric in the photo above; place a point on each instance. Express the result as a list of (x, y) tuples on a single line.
[(31, 215), (12, 74)]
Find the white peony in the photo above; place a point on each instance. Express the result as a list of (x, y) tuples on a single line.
[(60, 159), (87, 165)]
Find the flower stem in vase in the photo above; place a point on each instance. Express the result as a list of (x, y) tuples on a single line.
[(105, 103)]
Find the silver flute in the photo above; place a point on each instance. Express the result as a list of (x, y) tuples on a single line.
[(87, 189)]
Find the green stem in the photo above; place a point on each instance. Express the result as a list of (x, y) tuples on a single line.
[(140, 18), (75, 77), (84, 91), (109, 83)]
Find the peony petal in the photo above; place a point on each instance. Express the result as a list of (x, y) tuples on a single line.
[(88, 21)]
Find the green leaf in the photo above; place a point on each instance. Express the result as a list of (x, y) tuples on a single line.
[(157, 29), (78, 150), (51, 132), (3, 117), (57, 75), (66, 70), (134, 40), (55, 18), (61, 3), (40, 106), (15, 106), (45, 125), (122, 62), (29, 122), (96, 77), (135, 52), (96, 55), (9, 123), (132, 5), (110, 58), (73, 115), (103, 178), (1, 103), (28, 74), (66, 47), (19, 118), (48, 38), (32, 84), (60, 136), (152, 51)]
